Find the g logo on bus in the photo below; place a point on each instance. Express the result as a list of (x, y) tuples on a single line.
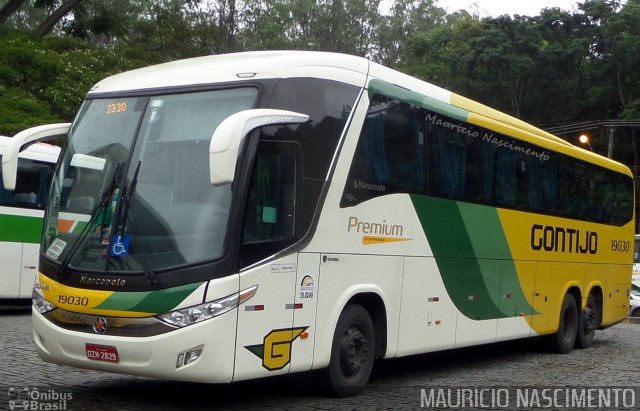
[(275, 350), (100, 325)]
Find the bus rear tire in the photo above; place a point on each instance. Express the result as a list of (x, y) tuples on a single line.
[(564, 339), (352, 352), (587, 323)]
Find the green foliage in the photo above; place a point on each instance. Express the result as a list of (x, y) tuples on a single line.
[(45, 80), (19, 110), (408, 19)]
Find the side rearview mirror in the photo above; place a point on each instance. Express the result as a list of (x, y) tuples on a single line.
[(11, 151), (229, 135)]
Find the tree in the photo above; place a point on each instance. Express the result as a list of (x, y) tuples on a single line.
[(9, 8), (345, 26), (44, 80), (622, 36), (408, 18), (266, 25), (53, 19), (436, 55)]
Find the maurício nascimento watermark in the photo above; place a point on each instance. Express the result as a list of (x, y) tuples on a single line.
[(33, 398), (528, 398)]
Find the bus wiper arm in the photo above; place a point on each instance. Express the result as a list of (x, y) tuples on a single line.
[(128, 197), (104, 201), (127, 200), (148, 271)]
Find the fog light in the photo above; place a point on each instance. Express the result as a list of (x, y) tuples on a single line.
[(187, 357), (191, 356)]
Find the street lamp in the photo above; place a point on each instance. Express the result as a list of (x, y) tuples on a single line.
[(584, 139)]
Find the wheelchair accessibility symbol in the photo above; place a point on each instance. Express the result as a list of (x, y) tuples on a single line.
[(120, 245)]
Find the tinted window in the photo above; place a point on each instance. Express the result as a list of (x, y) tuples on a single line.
[(292, 164), (471, 163), (390, 156), (271, 202), (328, 104), (32, 185), (454, 159)]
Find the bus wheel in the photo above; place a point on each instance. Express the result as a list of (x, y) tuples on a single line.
[(564, 340), (587, 323), (352, 352)]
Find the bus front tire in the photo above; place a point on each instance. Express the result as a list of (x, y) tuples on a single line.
[(587, 323), (352, 352), (564, 339)]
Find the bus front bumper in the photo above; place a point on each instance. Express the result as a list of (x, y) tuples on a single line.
[(159, 356)]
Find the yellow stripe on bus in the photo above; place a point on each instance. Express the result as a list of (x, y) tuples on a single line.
[(80, 300)]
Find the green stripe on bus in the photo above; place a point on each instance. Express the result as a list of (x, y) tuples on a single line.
[(490, 245), (417, 99), (123, 301), (473, 257), (484, 228), (156, 302), (20, 229), (455, 257)]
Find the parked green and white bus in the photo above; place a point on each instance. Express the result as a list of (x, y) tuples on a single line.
[(21, 217), (239, 216)]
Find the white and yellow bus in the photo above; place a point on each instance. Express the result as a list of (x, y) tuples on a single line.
[(240, 216), (21, 218)]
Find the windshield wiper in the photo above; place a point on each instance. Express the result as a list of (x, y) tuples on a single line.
[(128, 197), (105, 200), (122, 226)]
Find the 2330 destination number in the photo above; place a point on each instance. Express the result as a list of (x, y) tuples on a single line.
[(114, 108)]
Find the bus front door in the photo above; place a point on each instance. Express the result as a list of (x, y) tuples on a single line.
[(266, 330)]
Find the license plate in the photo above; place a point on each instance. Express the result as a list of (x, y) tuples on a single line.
[(106, 353)]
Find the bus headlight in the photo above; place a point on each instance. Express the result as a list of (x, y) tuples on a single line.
[(40, 303), (197, 313)]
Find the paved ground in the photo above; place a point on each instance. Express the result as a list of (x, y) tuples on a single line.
[(396, 384)]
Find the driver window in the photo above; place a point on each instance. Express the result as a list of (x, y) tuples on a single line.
[(270, 221)]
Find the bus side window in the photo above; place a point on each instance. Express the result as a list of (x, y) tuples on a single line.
[(623, 204), (549, 185), (577, 190), (505, 174), (273, 201), (390, 155), (32, 185), (455, 162)]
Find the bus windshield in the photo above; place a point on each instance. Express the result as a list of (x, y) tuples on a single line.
[(132, 191)]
